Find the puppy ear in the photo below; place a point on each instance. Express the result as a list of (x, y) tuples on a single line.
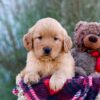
[(28, 41), (67, 42)]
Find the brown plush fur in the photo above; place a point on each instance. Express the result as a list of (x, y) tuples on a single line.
[(86, 39), (83, 31), (59, 63)]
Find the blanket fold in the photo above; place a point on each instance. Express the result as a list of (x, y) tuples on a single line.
[(82, 88)]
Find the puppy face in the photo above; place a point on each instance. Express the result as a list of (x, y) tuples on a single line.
[(47, 44), (47, 39)]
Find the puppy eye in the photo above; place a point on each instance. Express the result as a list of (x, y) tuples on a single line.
[(55, 38), (40, 37)]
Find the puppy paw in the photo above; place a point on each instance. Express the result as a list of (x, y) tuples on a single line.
[(31, 78), (56, 83), (18, 79)]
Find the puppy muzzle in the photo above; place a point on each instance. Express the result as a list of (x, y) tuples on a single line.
[(47, 50)]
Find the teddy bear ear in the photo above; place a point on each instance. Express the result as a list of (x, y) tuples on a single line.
[(79, 24)]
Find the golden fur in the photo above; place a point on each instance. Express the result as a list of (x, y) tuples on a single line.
[(59, 63)]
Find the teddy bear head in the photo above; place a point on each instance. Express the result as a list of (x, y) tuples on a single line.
[(87, 35)]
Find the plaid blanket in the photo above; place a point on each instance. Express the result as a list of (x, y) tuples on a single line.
[(82, 88)]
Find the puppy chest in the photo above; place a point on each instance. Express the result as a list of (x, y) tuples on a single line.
[(48, 69)]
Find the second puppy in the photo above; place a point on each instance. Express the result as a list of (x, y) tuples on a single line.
[(49, 54)]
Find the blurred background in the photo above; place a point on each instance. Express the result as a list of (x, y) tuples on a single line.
[(17, 16)]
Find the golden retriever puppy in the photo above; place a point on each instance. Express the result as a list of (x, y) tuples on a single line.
[(49, 54)]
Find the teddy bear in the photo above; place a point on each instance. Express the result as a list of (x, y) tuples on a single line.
[(87, 48)]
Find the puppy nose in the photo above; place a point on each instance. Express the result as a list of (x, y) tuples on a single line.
[(93, 39), (47, 50)]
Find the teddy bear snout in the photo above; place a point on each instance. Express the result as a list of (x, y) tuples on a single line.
[(93, 39)]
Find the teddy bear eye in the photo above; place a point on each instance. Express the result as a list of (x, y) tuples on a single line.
[(40, 37), (55, 38), (98, 35)]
